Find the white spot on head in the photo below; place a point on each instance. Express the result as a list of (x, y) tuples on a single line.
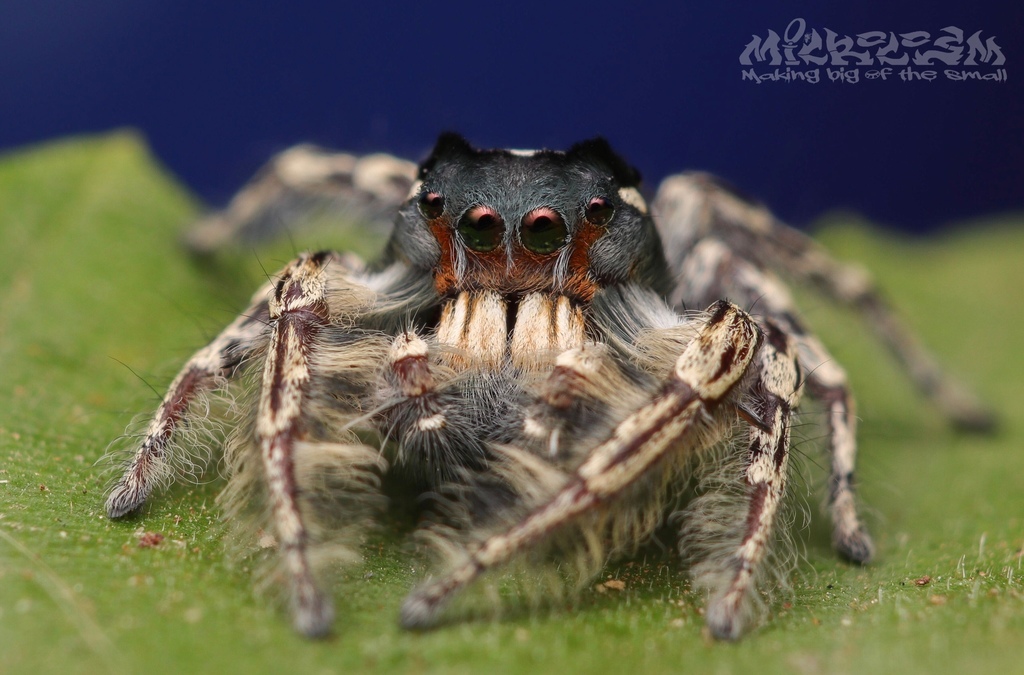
[(632, 196), (432, 423), (522, 152)]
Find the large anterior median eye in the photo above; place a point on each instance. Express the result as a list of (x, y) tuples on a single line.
[(543, 231), (481, 228)]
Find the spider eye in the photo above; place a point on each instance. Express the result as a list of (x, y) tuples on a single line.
[(600, 211), (431, 205), (543, 231), (481, 228)]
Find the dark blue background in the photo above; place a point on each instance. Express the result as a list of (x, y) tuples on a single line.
[(217, 87)]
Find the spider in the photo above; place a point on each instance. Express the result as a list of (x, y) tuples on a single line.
[(546, 355)]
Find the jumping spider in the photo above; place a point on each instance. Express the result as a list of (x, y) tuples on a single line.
[(548, 356)]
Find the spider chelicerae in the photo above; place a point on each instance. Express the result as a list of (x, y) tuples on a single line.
[(547, 356)]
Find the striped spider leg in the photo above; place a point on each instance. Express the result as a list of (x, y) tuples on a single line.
[(696, 207), (212, 367), (314, 341)]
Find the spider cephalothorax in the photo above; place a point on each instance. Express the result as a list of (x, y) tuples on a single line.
[(534, 348)]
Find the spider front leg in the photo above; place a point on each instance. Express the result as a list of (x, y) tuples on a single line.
[(671, 423), (712, 269), (299, 313), (299, 456), (310, 457), (772, 396), (209, 368)]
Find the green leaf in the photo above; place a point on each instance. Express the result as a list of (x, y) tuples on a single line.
[(98, 301)]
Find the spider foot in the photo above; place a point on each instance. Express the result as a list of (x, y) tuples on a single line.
[(422, 606), (856, 546), (965, 410), (126, 497), (418, 612), (312, 611), (725, 617), (850, 538)]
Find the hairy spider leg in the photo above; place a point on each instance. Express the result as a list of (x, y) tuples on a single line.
[(299, 312), (210, 368), (773, 394), (713, 269)]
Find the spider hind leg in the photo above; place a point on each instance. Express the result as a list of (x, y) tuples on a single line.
[(697, 206), (301, 185)]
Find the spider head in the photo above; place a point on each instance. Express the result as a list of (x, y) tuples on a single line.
[(523, 221)]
